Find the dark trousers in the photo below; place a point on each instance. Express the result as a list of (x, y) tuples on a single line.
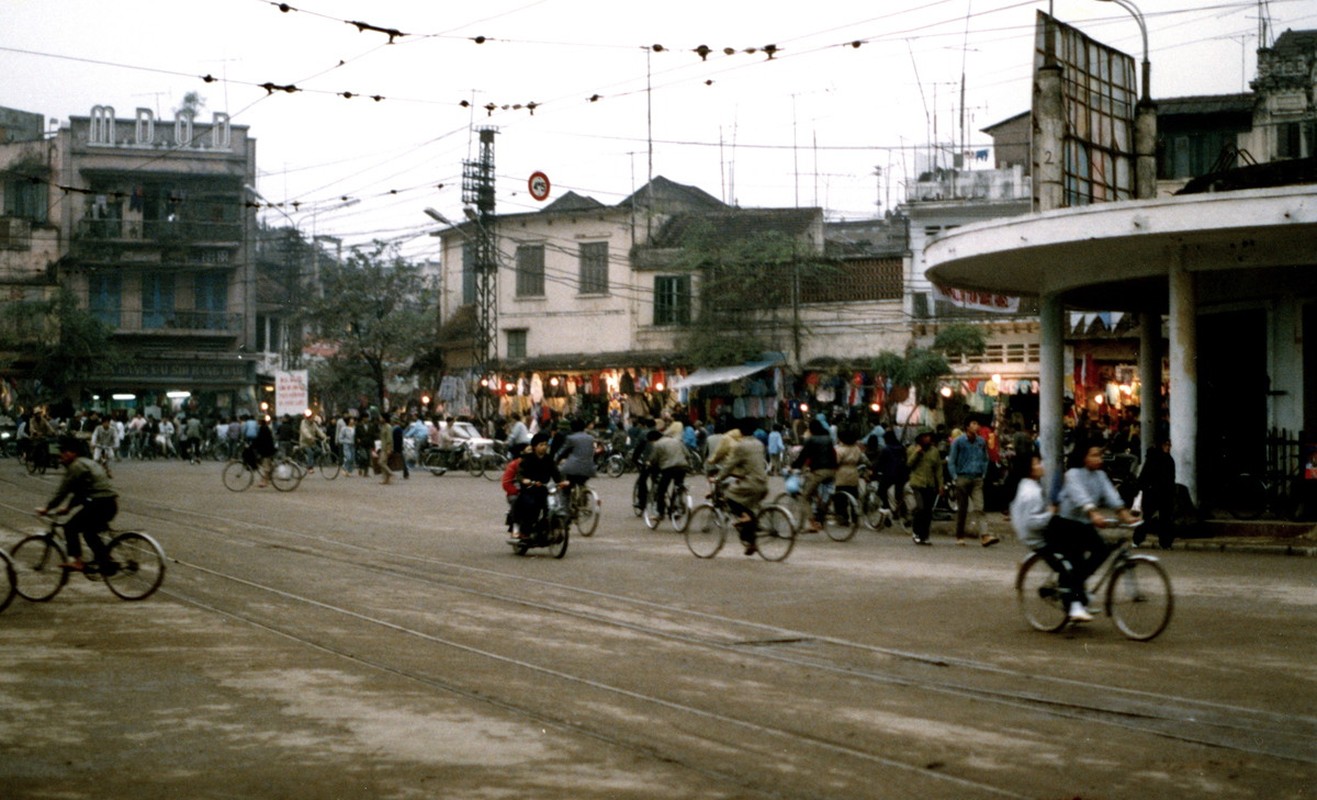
[(841, 508), (528, 508), (666, 479), (1075, 550), (642, 485), (92, 518), (925, 496)]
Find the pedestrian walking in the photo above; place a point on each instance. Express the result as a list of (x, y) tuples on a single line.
[(924, 463)]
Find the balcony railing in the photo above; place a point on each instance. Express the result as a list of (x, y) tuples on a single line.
[(173, 323), (107, 230)]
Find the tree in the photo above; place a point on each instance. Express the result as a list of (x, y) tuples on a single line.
[(56, 343), (377, 310), (749, 293), (921, 367)]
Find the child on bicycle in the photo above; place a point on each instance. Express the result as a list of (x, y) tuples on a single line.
[(86, 485)]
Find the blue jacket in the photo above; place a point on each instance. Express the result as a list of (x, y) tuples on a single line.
[(968, 459)]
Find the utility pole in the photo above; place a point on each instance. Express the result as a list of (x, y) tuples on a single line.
[(478, 191)]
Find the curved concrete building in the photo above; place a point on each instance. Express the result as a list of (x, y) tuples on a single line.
[(1235, 274)]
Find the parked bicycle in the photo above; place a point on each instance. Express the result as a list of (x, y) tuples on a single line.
[(838, 527), (134, 565), (710, 523), (1136, 591)]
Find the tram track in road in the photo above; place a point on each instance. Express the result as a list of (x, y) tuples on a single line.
[(1290, 737), (1177, 718)]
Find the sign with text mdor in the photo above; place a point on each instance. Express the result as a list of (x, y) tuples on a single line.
[(291, 395)]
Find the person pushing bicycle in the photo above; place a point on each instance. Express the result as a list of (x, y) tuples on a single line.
[(85, 485)]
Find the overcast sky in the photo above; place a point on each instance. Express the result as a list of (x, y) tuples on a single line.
[(806, 127)]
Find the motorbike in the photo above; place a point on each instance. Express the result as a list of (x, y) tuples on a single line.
[(552, 530)]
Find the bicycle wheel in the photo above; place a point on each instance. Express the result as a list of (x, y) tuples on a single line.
[(328, 464), (775, 533), (237, 476), (679, 508), (37, 563), (559, 533), (587, 512), (434, 461), (475, 464), (137, 566), (636, 506), (1246, 497), (1139, 598), (8, 580), (286, 475), (1038, 590), (793, 507), (650, 514), (493, 466), (615, 466), (842, 529), (706, 531), (871, 509)]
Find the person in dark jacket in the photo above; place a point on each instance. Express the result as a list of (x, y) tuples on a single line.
[(820, 458), (265, 450), (893, 472), (1157, 482), (536, 471)]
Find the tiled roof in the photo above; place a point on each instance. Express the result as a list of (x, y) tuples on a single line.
[(1291, 42), (1207, 104), (665, 192), (738, 224), (571, 201)]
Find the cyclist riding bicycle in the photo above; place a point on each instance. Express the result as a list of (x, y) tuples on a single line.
[(1069, 540), (104, 441), (819, 455), (744, 471), (576, 455), (670, 462), (86, 485)]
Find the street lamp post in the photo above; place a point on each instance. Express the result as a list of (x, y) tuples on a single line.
[(1145, 117), (1145, 187)]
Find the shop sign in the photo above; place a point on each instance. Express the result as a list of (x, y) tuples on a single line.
[(291, 395), (981, 301)]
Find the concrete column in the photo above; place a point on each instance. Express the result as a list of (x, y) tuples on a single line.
[(1145, 150), (1183, 337), (1051, 390), (1048, 138), (1150, 376)]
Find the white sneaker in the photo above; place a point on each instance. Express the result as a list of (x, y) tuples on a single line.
[(1078, 613)]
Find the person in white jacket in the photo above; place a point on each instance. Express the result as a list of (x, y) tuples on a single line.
[(1034, 521)]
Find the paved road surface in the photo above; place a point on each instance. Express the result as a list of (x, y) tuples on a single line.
[(351, 640)]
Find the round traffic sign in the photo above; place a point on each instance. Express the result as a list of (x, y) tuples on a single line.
[(539, 185)]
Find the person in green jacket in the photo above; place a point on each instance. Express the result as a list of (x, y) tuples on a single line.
[(86, 485), (925, 463)]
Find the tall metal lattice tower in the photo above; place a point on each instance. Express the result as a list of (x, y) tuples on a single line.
[(478, 191)]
